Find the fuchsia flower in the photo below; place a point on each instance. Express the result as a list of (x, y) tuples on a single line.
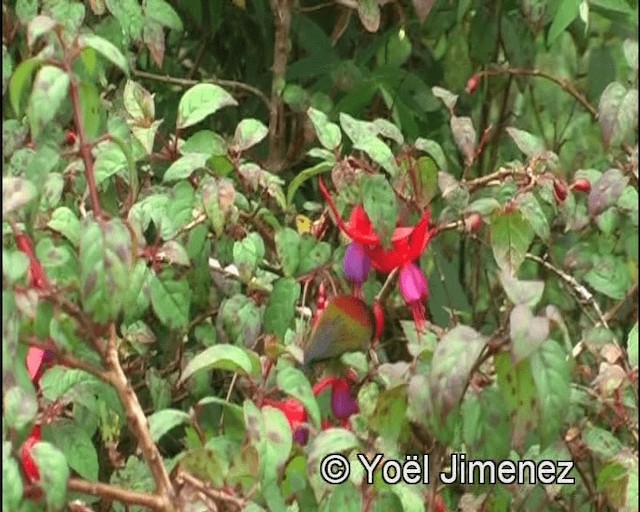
[(407, 244), (343, 405), (296, 415)]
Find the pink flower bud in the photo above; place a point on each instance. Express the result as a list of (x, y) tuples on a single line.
[(356, 263), (413, 284)]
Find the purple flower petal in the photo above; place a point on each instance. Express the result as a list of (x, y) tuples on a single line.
[(413, 284), (343, 404), (356, 263)]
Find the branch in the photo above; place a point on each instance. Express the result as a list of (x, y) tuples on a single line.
[(281, 10), (116, 493), (187, 82), (137, 422), (565, 84)]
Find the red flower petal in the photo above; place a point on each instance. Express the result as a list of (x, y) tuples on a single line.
[(323, 384), (28, 464), (34, 361)]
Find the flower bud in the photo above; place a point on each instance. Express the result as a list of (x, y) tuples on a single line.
[(472, 84), (343, 404), (356, 263), (473, 223), (582, 185), (559, 191), (413, 284)]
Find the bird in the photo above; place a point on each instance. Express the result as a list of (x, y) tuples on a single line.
[(346, 325)]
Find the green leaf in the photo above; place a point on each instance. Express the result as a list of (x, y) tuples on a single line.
[(11, 480), (223, 357), (50, 89), (288, 246), (388, 129), (65, 222), (279, 435), (552, 375), (248, 254), (617, 113), (205, 142), (328, 133), (162, 13), (20, 407), (528, 333), (20, 83), (39, 26), (532, 212), (610, 276), (332, 440), (16, 193), (161, 422), (304, 176), (446, 96), (312, 254), (76, 445), (522, 292), (530, 145), (434, 150), (184, 166), (14, 265), (606, 191), (240, 320), (106, 49), (519, 390), (54, 473), (369, 14), (511, 236), (568, 10), (632, 346), (249, 132), (484, 206), (603, 444), (110, 160), (171, 300), (464, 135), (363, 135), (294, 383), (201, 101), (280, 310), (453, 359), (379, 201), (105, 264)]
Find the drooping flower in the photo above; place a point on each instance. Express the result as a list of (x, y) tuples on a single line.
[(296, 415), (414, 290), (343, 405), (407, 243)]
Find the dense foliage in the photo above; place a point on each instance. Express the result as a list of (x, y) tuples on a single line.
[(181, 180)]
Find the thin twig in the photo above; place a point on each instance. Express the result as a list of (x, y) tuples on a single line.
[(187, 82), (113, 492), (85, 146), (565, 84), (215, 494)]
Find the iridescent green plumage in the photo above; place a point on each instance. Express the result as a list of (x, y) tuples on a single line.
[(346, 325)]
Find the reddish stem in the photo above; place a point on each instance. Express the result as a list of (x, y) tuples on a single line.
[(85, 147)]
